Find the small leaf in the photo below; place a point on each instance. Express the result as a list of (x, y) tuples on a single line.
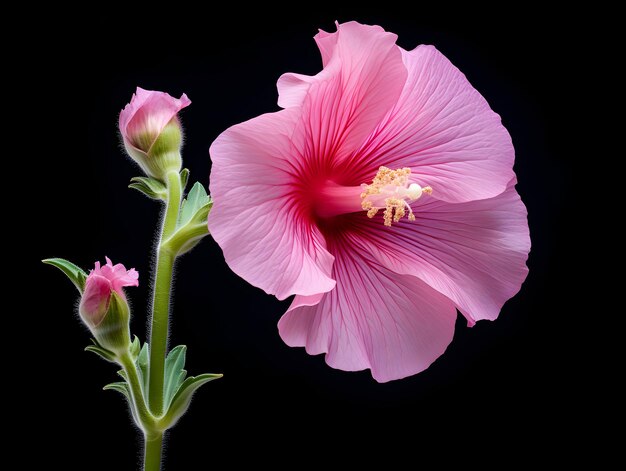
[(196, 199), (184, 178), (124, 389), (192, 222), (186, 238), (150, 187), (174, 372), (143, 361), (120, 387), (182, 398), (76, 274), (122, 374), (101, 352), (135, 348)]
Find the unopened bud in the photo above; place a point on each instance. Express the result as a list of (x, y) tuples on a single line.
[(152, 133)]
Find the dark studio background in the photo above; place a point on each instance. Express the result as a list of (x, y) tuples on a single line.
[(495, 379)]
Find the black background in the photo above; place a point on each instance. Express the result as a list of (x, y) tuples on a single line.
[(494, 381)]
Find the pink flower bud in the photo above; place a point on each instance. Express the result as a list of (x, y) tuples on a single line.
[(151, 131), (103, 307)]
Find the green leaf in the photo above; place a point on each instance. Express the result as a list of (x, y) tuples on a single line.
[(120, 387), (122, 374), (174, 372), (100, 351), (143, 362), (124, 388), (135, 348), (196, 200), (192, 222), (184, 178), (182, 399), (76, 274), (150, 187)]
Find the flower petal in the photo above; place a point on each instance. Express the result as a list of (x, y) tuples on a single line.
[(444, 130), (94, 302), (362, 79), (396, 325), (474, 253), (327, 42), (148, 113), (265, 238)]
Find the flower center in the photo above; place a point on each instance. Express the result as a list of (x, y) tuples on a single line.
[(390, 190)]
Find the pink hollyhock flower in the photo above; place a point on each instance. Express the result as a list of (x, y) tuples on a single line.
[(382, 196), (151, 131), (99, 286)]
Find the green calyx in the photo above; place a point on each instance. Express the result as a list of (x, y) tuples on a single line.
[(159, 155), (113, 333)]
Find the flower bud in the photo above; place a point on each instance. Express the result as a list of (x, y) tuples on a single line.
[(152, 133), (103, 307)]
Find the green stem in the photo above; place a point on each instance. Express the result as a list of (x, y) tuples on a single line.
[(161, 302), (141, 408), (152, 453), (153, 438)]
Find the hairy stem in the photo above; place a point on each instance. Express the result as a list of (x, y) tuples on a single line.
[(137, 395), (153, 438), (162, 293), (152, 453)]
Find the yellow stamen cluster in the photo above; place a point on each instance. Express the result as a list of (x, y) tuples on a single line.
[(392, 188)]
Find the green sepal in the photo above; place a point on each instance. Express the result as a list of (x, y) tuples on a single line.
[(100, 351), (113, 333), (150, 187), (184, 178), (76, 274)]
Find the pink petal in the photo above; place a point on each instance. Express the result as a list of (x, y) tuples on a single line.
[(327, 42), (117, 275), (148, 113), (266, 238), (361, 81), (444, 130), (396, 325), (292, 89), (94, 302), (474, 253)]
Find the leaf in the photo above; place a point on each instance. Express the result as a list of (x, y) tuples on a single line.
[(100, 351), (150, 187), (119, 386), (196, 200), (143, 362), (135, 348), (76, 274), (174, 372), (123, 388), (182, 398), (184, 178), (192, 222)]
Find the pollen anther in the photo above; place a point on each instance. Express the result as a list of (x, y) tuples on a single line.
[(390, 190)]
